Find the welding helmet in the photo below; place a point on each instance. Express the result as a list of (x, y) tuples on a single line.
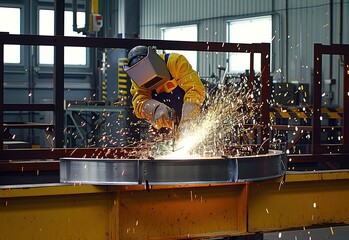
[(146, 68)]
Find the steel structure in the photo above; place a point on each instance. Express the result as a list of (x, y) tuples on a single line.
[(296, 201), (60, 41), (319, 51), (137, 212), (320, 152), (333, 155), (57, 107)]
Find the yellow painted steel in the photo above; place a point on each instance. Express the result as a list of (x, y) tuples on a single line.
[(94, 6), (301, 115), (334, 115), (302, 200), (175, 211), (39, 213), (49, 190), (183, 212), (285, 114), (88, 212)]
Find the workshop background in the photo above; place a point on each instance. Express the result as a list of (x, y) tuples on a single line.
[(50, 110)]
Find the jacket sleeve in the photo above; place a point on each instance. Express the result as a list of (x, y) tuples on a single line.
[(187, 79), (140, 96)]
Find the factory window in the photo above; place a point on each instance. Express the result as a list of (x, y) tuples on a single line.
[(248, 30), (72, 55), (10, 18), (182, 33)]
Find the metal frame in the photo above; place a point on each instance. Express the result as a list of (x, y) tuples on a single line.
[(70, 110), (319, 50), (60, 41), (320, 152), (334, 156)]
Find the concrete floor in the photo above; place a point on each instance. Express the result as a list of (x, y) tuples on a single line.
[(337, 233)]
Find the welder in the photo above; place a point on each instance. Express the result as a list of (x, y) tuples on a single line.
[(165, 88)]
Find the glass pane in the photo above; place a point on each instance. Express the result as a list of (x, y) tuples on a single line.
[(248, 30), (72, 55), (10, 19), (240, 62), (182, 33)]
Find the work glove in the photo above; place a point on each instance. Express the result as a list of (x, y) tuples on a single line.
[(159, 114), (190, 112)]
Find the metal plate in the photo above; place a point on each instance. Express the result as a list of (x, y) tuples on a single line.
[(172, 171), (189, 171), (260, 167), (99, 171)]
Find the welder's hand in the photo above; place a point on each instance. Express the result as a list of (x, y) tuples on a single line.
[(163, 117), (190, 111), (182, 131), (159, 114)]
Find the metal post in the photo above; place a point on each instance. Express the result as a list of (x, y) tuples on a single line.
[(59, 75), (1, 97), (251, 77), (265, 96), (345, 133), (316, 132)]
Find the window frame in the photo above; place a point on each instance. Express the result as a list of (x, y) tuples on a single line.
[(163, 29), (21, 62), (229, 30), (88, 54)]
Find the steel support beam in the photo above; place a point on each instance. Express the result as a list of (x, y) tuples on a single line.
[(58, 79), (265, 97), (2, 95), (316, 132), (303, 200), (56, 213), (346, 101), (300, 200), (88, 212)]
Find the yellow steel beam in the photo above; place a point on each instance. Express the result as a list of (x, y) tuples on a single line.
[(39, 213), (175, 212), (49, 190), (185, 212), (132, 212), (302, 200)]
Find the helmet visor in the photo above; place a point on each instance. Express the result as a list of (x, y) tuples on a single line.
[(150, 72)]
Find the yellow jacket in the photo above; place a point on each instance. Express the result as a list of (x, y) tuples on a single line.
[(187, 79)]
